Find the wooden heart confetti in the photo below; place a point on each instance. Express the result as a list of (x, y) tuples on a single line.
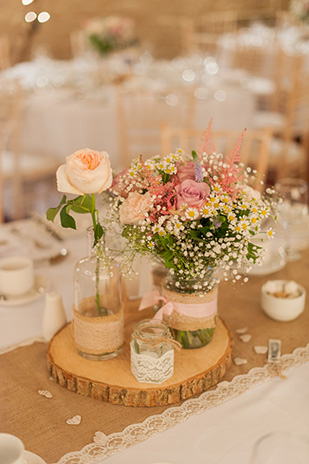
[(245, 338), (45, 393), (260, 349), (242, 330), (76, 420), (99, 437), (240, 361)]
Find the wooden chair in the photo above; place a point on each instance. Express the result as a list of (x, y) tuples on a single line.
[(141, 112), (292, 109), (78, 43), (18, 170), (254, 149), (202, 35), (1, 188), (286, 18), (5, 61)]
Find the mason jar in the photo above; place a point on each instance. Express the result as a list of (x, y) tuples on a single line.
[(152, 351)]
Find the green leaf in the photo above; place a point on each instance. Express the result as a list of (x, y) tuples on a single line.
[(194, 155), (81, 204), (67, 221), (51, 213), (98, 231)]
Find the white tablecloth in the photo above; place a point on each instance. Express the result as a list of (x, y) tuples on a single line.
[(64, 110), (266, 40), (226, 434)]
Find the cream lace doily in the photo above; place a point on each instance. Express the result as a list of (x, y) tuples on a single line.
[(105, 446)]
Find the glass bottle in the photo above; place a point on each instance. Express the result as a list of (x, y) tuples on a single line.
[(98, 307)]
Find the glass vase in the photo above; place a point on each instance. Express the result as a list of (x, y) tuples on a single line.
[(193, 319), (98, 308)]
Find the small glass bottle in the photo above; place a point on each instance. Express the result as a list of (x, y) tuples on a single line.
[(98, 307), (152, 352)]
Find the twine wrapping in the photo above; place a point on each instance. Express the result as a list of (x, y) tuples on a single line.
[(164, 339), (99, 335)]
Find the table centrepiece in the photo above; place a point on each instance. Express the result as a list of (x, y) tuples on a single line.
[(196, 215), (109, 34)]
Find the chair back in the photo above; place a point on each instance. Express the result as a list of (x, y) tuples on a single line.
[(78, 43), (10, 99), (254, 148), (1, 182), (292, 95), (202, 34), (5, 61), (141, 113)]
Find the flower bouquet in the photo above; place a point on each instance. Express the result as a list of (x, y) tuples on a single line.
[(300, 9), (196, 214), (110, 34)]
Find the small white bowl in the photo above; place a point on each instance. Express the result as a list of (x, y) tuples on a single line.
[(283, 309)]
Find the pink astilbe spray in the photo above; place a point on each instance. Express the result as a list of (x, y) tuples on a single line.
[(205, 144), (231, 173), (165, 197), (163, 194)]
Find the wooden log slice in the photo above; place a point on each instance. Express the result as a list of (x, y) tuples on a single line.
[(111, 380)]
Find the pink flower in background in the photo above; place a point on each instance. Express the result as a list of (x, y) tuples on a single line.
[(86, 171), (192, 194), (251, 194), (118, 186), (134, 208), (185, 171)]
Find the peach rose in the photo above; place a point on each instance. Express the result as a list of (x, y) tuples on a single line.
[(134, 208), (192, 194), (85, 171)]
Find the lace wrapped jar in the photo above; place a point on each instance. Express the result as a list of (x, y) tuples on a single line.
[(152, 352), (189, 308), (98, 308)]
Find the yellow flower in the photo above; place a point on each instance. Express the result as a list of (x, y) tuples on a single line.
[(231, 217), (270, 233), (206, 211), (192, 213)]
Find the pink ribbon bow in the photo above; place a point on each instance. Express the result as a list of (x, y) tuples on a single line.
[(198, 310)]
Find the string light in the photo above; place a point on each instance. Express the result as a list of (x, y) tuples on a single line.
[(30, 16), (43, 17)]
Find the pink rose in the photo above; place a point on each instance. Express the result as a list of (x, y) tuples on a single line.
[(191, 193), (185, 171), (85, 171), (134, 208)]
